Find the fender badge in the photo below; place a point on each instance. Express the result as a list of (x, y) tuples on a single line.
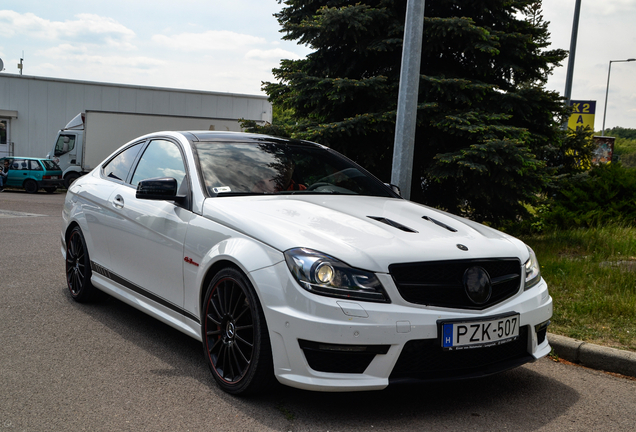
[(190, 261), (462, 247)]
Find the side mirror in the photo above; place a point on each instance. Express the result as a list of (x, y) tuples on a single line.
[(159, 189), (394, 188)]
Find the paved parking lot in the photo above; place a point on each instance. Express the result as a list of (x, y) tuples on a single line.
[(105, 366)]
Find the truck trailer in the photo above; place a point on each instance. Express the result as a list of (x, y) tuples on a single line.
[(91, 136)]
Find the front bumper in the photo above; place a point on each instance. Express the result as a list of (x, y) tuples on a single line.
[(328, 344)]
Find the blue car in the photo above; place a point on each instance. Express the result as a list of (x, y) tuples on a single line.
[(30, 173)]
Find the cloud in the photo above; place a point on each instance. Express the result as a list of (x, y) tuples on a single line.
[(85, 56), (609, 7), (272, 54), (232, 49), (86, 28), (208, 41)]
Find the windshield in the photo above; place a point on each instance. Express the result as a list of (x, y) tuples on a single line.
[(281, 168)]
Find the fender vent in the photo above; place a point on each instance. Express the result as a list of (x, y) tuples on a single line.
[(438, 223), (392, 223)]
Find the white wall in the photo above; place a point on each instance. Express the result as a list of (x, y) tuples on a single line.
[(46, 105)]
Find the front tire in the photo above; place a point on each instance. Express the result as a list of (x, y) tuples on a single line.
[(70, 178), (78, 268), (235, 338)]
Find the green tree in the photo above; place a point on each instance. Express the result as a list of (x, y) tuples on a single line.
[(488, 137), (621, 132)]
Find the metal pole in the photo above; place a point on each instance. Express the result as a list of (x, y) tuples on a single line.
[(609, 70), (570, 71), (406, 119), (606, 92)]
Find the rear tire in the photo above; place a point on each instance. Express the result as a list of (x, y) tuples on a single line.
[(30, 186), (78, 268), (235, 338)]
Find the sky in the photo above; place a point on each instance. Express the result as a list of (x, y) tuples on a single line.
[(231, 46)]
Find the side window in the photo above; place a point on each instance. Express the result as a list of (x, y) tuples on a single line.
[(161, 159), (65, 143), (119, 167), (34, 165), (19, 164)]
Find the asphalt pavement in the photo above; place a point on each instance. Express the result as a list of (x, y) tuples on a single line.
[(107, 366)]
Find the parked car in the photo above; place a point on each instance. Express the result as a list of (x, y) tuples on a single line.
[(32, 174), (288, 260)]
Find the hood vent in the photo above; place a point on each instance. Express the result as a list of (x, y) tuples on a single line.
[(436, 222), (392, 223)]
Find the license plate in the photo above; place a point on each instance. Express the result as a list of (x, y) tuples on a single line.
[(458, 335), (54, 177)]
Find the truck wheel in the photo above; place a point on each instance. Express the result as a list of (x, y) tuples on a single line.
[(70, 178), (30, 186)]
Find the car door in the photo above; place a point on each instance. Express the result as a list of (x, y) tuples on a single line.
[(65, 150), (146, 248), (36, 171), (100, 217)]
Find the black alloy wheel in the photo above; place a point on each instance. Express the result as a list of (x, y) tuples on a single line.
[(78, 267), (30, 186), (235, 339)]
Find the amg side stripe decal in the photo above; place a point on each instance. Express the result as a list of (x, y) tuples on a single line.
[(141, 291)]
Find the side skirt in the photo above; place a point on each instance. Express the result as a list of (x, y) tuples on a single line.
[(145, 301)]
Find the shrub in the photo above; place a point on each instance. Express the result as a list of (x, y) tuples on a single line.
[(606, 194)]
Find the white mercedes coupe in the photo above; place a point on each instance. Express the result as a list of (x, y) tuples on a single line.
[(290, 262)]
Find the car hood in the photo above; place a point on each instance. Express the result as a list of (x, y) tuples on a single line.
[(365, 232)]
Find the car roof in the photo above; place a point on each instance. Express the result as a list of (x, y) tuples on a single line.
[(243, 137), (24, 157)]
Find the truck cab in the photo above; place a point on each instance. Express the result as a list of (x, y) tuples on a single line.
[(67, 152)]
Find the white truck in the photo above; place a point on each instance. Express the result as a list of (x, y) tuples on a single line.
[(92, 136)]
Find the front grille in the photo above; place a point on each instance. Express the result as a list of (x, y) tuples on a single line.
[(440, 283), (426, 360)]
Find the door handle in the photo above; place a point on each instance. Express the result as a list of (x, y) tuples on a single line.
[(118, 202)]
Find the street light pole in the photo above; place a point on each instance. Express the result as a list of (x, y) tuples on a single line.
[(570, 71), (609, 70)]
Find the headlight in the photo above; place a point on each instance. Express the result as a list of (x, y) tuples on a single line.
[(533, 271), (321, 274)]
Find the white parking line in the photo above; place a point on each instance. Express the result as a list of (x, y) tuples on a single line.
[(14, 214)]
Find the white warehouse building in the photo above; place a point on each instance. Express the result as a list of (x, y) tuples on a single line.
[(33, 109)]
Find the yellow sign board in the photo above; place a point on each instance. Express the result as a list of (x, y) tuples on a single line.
[(582, 114)]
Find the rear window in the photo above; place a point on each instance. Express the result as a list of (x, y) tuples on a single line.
[(50, 165)]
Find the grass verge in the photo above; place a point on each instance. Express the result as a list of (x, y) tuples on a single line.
[(591, 274)]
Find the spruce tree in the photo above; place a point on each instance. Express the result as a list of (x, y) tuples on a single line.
[(488, 137)]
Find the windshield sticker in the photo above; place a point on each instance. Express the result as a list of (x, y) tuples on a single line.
[(221, 189)]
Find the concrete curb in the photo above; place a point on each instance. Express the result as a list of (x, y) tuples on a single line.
[(594, 356)]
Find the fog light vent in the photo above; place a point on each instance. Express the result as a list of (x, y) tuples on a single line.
[(541, 330), (336, 358)]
